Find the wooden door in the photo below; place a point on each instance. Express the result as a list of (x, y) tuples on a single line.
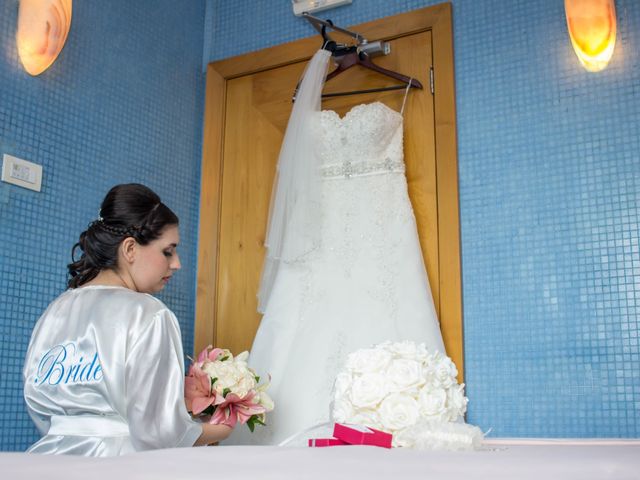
[(243, 134)]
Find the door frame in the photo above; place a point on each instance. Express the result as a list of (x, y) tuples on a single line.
[(436, 18)]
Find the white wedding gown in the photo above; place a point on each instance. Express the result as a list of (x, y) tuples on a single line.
[(365, 284)]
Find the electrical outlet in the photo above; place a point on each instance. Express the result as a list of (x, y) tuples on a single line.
[(22, 173)]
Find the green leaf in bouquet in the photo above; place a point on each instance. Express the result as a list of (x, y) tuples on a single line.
[(253, 421), (210, 410), (251, 424), (225, 392), (226, 357)]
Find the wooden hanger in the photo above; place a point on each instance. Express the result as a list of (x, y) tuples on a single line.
[(354, 57), (350, 55)]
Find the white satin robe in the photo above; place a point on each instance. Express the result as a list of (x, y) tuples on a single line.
[(104, 375)]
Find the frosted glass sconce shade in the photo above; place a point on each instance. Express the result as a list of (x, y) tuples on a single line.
[(43, 26), (592, 29)]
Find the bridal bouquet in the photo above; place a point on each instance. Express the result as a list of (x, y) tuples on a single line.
[(403, 389), (224, 390)]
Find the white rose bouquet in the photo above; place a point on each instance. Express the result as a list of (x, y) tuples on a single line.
[(395, 386), (223, 389)]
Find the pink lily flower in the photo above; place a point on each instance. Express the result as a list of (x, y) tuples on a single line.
[(198, 394), (211, 356), (236, 409)]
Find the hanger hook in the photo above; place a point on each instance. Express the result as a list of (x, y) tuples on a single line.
[(325, 35), (328, 43)]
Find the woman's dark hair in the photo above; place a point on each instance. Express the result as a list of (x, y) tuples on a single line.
[(128, 210)]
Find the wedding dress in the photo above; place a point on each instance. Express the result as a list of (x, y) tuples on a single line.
[(364, 283)]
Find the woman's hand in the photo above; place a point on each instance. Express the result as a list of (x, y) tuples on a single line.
[(213, 434)]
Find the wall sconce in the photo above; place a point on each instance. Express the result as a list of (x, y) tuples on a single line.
[(310, 6), (592, 29), (43, 26)]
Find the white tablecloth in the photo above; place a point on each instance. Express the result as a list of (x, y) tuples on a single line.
[(501, 459)]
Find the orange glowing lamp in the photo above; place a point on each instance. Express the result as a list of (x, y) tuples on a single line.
[(43, 26), (592, 29)]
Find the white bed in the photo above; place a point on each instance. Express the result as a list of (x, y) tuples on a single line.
[(502, 459)]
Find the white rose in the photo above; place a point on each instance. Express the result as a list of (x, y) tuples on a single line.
[(343, 411), (230, 375), (398, 411), (433, 402), (241, 366), (342, 384), (368, 390), (421, 352), (244, 371), (404, 374), (366, 417), (225, 373), (429, 374), (445, 372), (368, 360), (456, 402), (245, 384)]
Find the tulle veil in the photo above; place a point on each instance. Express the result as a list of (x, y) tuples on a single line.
[(293, 228)]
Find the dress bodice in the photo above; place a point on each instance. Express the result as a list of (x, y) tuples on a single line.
[(367, 140)]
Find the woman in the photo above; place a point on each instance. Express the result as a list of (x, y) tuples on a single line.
[(104, 370)]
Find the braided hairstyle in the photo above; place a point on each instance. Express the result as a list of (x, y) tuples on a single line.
[(128, 210)]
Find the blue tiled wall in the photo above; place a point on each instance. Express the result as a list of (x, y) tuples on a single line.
[(550, 188), (549, 185), (123, 103)]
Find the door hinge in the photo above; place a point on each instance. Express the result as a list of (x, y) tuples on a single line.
[(431, 80)]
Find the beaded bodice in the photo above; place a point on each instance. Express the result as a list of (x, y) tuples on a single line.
[(366, 141), (365, 208)]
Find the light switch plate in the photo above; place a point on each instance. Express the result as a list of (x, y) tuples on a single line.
[(21, 172)]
